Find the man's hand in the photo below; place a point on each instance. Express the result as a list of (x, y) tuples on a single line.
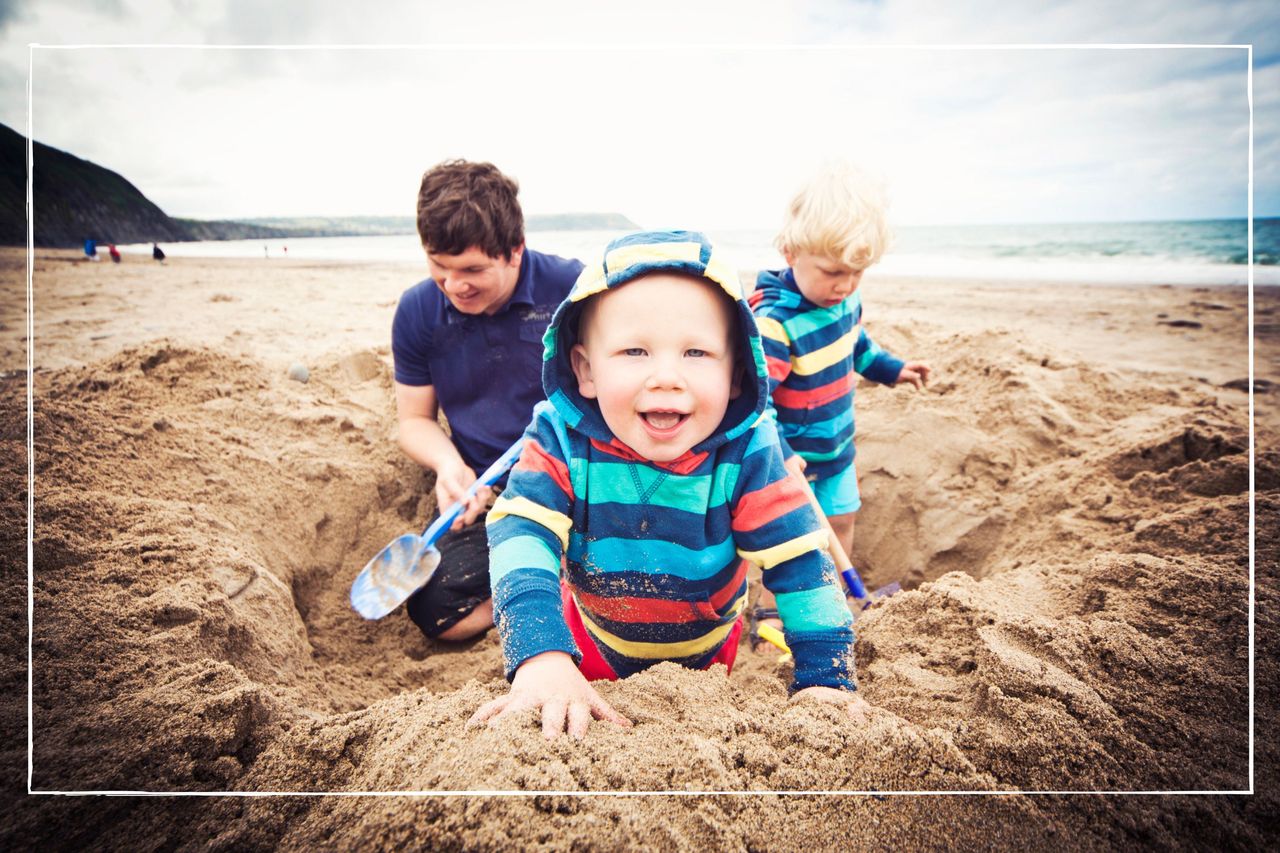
[(550, 681), (855, 706), (452, 482), (915, 372)]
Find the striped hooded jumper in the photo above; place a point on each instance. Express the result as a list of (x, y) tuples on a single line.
[(656, 554), (813, 354)]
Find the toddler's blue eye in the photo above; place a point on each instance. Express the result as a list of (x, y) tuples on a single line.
[(695, 353), (635, 351)]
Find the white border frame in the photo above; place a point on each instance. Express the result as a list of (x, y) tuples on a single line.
[(31, 463)]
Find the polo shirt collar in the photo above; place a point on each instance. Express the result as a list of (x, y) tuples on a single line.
[(523, 294)]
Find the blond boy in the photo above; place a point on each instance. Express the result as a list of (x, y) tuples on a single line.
[(810, 319)]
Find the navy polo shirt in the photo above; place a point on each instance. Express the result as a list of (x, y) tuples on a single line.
[(487, 370)]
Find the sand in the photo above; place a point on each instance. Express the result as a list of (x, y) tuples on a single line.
[(1067, 506)]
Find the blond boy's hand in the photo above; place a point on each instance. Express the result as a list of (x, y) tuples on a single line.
[(855, 706), (915, 372), (551, 682)]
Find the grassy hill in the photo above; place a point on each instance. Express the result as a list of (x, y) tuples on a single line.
[(73, 199)]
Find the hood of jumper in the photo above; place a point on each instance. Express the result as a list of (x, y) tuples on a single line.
[(626, 259)]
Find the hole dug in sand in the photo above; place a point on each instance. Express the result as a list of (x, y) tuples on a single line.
[(192, 627), (191, 581)]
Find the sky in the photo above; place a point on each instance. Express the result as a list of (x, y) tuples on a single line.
[(703, 115)]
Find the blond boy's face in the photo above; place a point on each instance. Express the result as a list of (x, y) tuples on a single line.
[(822, 280), (658, 358)]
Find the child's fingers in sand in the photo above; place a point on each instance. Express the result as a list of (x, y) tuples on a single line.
[(555, 712), (558, 714), (604, 712), (855, 706), (579, 720), (858, 709), (491, 711), (575, 716)]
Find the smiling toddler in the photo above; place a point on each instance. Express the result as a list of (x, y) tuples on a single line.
[(648, 482)]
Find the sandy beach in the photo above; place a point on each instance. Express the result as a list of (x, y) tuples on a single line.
[(1067, 507)]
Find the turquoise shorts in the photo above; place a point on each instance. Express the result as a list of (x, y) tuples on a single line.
[(838, 494)]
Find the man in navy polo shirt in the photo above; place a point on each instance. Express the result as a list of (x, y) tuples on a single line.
[(468, 342)]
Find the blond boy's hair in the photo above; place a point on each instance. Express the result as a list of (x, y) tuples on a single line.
[(839, 214)]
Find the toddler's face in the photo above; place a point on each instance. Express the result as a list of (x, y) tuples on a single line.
[(657, 357), (822, 280)]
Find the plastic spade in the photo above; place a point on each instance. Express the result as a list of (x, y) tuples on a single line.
[(405, 565), (859, 591), (844, 565)]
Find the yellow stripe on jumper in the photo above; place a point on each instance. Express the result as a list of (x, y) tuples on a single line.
[(624, 256), (557, 522), (590, 281), (773, 330), (726, 275), (841, 348), (792, 548)]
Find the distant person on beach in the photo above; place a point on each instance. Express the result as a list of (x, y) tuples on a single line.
[(91, 250), (115, 253), (810, 319), (647, 483), (468, 341), (157, 252)]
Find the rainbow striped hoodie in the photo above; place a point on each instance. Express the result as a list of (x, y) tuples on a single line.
[(656, 554), (813, 354)]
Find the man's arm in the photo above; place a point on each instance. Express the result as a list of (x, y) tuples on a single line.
[(425, 442)]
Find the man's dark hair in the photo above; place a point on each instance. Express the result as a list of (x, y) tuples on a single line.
[(463, 204)]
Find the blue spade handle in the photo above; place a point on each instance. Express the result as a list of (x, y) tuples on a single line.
[(491, 475), (854, 582)]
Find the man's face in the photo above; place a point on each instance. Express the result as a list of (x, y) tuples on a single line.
[(658, 358), (821, 280), (474, 282)]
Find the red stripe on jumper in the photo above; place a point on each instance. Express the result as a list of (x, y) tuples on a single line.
[(778, 368), (758, 508), (636, 608), (812, 398), (534, 458), (686, 464)]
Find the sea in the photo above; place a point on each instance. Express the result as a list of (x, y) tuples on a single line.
[(1200, 252)]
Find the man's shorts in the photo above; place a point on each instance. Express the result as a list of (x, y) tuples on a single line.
[(595, 668), (838, 494), (460, 583)]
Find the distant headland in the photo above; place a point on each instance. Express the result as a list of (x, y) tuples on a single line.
[(75, 199)]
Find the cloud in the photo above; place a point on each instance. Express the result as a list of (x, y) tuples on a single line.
[(675, 128), (11, 10)]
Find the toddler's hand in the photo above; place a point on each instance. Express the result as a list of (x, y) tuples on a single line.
[(855, 706), (915, 372), (550, 681)]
